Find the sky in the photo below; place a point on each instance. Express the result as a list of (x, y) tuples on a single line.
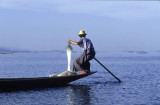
[(111, 25)]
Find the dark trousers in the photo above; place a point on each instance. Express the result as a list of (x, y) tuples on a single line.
[(82, 62)]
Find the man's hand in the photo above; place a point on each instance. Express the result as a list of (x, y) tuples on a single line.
[(69, 41), (73, 42)]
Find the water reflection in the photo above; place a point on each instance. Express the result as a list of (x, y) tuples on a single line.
[(78, 94)]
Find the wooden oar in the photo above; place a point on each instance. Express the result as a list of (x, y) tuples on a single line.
[(107, 70)]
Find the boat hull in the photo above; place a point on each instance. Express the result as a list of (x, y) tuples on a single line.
[(39, 82)]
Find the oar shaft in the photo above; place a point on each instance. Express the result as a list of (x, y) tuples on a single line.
[(107, 70)]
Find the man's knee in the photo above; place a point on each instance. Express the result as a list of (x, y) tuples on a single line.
[(75, 61)]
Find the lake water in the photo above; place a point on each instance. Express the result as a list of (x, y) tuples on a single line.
[(139, 73)]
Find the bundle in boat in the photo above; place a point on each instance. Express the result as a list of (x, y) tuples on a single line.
[(66, 73)]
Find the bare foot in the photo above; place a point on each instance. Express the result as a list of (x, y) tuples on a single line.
[(82, 72)]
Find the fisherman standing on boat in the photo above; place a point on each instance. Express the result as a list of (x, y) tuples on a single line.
[(82, 62)]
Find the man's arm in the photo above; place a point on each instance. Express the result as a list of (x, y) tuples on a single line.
[(73, 42)]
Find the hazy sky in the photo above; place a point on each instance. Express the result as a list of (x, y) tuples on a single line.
[(111, 25)]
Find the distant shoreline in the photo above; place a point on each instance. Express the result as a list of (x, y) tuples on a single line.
[(6, 53)]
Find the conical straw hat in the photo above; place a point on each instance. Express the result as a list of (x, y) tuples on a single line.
[(82, 32)]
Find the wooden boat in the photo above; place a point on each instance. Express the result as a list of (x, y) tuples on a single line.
[(39, 82)]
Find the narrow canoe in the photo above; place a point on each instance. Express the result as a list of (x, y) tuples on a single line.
[(39, 82)]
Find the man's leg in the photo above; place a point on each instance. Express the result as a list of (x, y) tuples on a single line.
[(78, 63), (87, 66)]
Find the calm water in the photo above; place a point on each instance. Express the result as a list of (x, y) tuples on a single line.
[(140, 74)]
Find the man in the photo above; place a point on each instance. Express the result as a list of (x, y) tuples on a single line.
[(82, 62)]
